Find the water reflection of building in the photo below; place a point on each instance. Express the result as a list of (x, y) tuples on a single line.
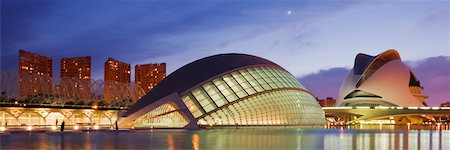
[(31, 67), (388, 139), (117, 79), (148, 75)]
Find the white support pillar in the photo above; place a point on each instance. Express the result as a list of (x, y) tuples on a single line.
[(29, 118)]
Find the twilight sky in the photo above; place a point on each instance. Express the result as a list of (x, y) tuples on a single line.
[(316, 41)]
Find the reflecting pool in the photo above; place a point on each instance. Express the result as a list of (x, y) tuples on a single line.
[(259, 138)]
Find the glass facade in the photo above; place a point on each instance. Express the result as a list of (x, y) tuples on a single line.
[(254, 96), (165, 116)]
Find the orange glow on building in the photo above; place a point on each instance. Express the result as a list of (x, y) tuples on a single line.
[(32, 66), (328, 102), (76, 67), (148, 75), (116, 72)]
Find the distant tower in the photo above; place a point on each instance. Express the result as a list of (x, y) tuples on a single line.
[(76, 71), (76, 67), (148, 75), (117, 80), (35, 74), (328, 102), (117, 71)]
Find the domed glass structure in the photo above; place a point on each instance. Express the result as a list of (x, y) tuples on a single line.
[(226, 90)]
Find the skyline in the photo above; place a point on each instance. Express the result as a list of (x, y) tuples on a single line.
[(292, 34)]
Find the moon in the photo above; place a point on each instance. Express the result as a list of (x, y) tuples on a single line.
[(289, 12)]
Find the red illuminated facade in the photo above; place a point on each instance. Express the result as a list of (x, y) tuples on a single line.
[(148, 75), (76, 67), (117, 71), (117, 80), (328, 102), (35, 74)]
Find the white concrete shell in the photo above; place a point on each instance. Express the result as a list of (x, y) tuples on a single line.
[(385, 81)]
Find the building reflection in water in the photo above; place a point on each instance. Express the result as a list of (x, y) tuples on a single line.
[(170, 143), (268, 138), (195, 142), (417, 139)]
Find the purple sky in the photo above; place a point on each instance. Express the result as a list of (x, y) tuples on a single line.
[(315, 41)]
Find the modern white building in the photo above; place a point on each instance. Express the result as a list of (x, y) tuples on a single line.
[(226, 90), (381, 80)]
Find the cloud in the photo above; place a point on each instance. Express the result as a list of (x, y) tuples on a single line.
[(325, 83), (434, 76), (435, 17), (130, 32), (433, 73), (140, 31), (178, 32), (17, 21)]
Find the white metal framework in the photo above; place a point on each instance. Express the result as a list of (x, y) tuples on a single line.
[(64, 91), (46, 117)]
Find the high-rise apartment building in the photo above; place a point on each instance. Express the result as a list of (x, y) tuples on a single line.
[(117, 71), (117, 80), (78, 71), (35, 75), (148, 75), (76, 67)]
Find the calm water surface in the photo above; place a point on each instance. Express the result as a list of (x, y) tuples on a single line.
[(232, 139)]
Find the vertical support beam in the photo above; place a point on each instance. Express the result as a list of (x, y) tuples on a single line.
[(29, 118), (176, 99), (3, 118), (45, 119), (74, 118)]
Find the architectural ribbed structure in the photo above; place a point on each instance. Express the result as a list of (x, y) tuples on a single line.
[(226, 90)]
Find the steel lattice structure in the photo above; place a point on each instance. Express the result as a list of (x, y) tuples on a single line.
[(32, 89)]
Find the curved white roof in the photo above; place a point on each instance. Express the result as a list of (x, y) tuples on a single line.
[(385, 80)]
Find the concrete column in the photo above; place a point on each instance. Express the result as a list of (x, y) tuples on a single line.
[(29, 118), (3, 118)]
